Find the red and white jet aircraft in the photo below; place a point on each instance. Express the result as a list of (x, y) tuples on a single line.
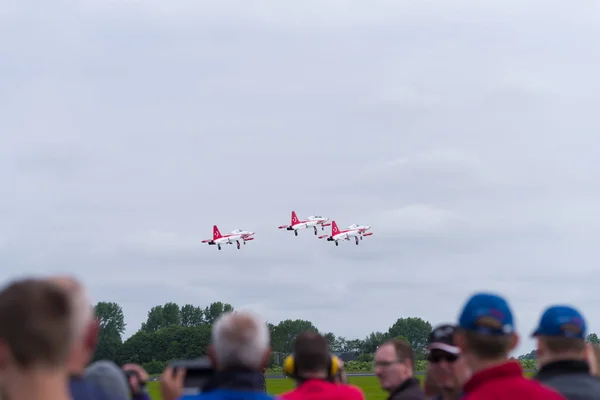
[(235, 236), (313, 221), (356, 231)]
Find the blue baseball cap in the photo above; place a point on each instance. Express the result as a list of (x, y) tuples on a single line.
[(488, 314), (561, 321)]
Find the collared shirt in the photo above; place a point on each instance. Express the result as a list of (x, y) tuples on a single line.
[(506, 381), (318, 389)]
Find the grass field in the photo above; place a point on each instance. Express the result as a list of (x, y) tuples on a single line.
[(369, 385)]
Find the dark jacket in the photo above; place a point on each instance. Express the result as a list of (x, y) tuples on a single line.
[(571, 378), (409, 390)]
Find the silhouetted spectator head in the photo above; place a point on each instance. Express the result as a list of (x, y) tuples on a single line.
[(447, 369), (312, 359), (394, 363), (240, 340), (35, 329), (83, 322), (561, 335), (109, 377), (486, 330)]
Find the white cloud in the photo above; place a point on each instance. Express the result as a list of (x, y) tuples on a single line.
[(463, 131)]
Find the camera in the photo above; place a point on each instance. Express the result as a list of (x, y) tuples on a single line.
[(130, 373), (199, 371)]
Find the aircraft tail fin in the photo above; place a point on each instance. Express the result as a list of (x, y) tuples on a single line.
[(334, 228), (216, 233), (295, 219)]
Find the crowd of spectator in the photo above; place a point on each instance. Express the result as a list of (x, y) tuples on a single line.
[(48, 335)]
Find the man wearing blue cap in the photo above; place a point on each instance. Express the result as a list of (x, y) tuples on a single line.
[(562, 354), (486, 335)]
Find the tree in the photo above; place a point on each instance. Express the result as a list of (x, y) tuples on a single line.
[(171, 314), (155, 320), (191, 315), (354, 346), (110, 316), (112, 326), (214, 311), (172, 332), (532, 355), (339, 345), (415, 330), (592, 338), (330, 337), (109, 344), (284, 333), (373, 341)]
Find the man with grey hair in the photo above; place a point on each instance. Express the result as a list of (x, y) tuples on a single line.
[(240, 351), (86, 330)]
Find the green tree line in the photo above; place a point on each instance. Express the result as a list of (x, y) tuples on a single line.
[(174, 332)]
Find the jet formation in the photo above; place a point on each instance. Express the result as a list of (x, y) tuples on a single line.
[(239, 236)]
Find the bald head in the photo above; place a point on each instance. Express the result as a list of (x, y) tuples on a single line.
[(240, 340)]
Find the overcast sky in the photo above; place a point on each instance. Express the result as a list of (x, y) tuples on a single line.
[(465, 133)]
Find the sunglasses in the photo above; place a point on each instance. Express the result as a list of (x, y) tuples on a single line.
[(436, 358)]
